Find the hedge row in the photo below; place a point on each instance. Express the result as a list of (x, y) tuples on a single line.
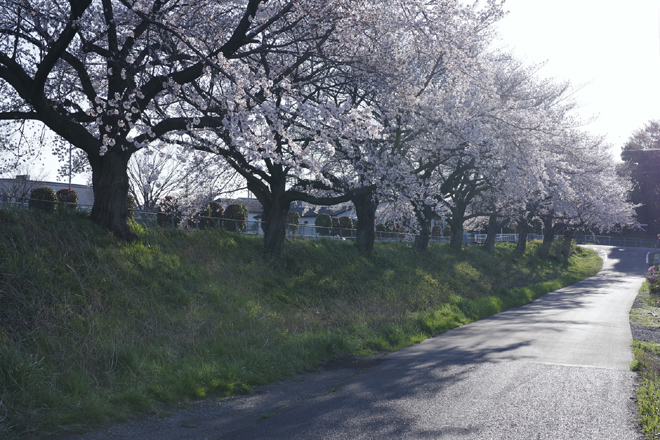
[(233, 218), (45, 199)]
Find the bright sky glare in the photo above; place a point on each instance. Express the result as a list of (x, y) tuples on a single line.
[(610, 48)]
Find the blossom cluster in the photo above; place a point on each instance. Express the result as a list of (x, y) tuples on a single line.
[(653, 274), (406, 100)]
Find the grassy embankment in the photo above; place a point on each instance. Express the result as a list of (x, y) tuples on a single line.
[(92, 329), (647, 363)]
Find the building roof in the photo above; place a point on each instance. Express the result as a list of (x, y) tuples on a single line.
[(23, 183), (252, 204)]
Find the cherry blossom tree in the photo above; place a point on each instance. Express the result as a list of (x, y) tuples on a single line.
[(98, 73), (586, 192), (280, 116), (573, 185), (262, 113), (324, 102), (195, 178), (411, 67), (519, 153), (484, 156)]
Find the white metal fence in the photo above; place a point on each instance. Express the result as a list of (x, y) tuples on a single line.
[(615, 241), (318, 232)]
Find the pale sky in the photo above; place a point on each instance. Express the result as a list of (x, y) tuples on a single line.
[(611, 48)]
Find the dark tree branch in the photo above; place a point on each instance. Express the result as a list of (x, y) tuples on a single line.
[(78, 7)]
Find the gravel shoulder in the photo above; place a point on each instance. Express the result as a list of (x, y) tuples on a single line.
[(644, 331)]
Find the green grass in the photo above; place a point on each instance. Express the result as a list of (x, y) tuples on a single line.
[(647, 363), (92, 329)]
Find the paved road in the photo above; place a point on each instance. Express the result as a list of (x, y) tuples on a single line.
[(557, 368)]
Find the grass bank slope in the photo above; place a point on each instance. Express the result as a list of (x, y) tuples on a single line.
[(645, 313), (92, 329)]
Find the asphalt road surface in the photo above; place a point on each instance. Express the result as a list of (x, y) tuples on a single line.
[(557, 368)]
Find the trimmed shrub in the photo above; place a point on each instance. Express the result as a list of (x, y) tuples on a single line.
[(169, 212), (293, 221), (43, 198), (209, 215), (324, 223), (387, 229), (436, 231), (236, 218), (335, 226), (346, 226), (345, 222), (67, 199)]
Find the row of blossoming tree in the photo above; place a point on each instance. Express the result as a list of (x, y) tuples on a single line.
[(403, 101)]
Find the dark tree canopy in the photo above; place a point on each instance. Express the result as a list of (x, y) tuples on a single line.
[(641, 156)]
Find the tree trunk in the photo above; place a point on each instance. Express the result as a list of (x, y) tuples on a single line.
[(365, 208), (424, 216), (422, 239), (275, 226), (523, 230), (566, 245), (456, 224), (549, 230), (274, 222), (456, 234), (110, 186), (491, 234)]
